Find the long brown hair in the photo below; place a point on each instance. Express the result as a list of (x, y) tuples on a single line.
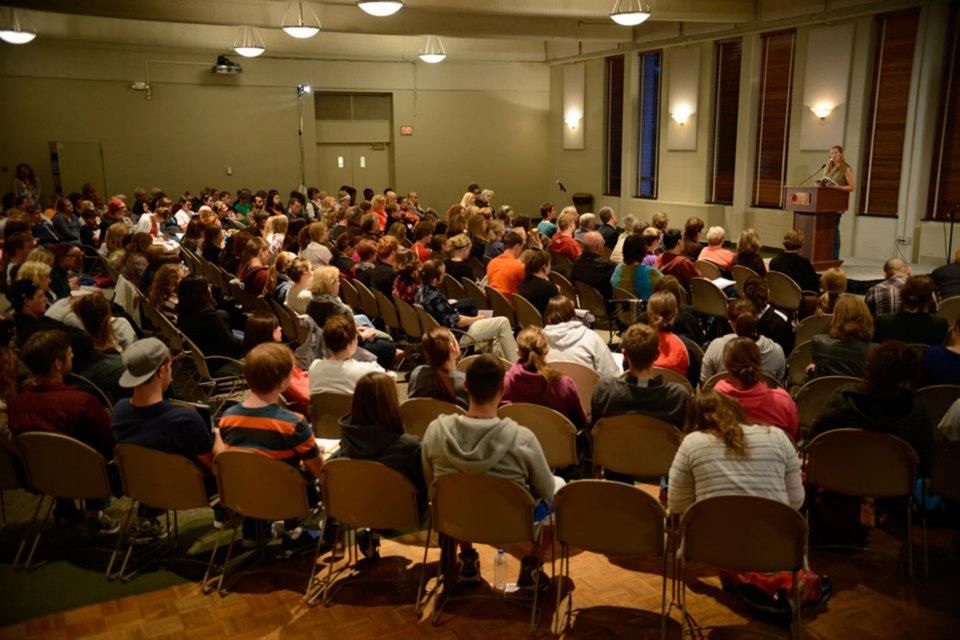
[(532, 350), (437, 346), (741, 357), (662, 310), (94, 313), (851, 319), (164, 284), (716, 414), (375, 402)]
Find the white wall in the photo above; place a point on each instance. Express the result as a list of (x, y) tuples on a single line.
[(683, 174), (480, 122)]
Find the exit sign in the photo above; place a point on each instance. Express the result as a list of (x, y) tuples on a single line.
[(406, 130)]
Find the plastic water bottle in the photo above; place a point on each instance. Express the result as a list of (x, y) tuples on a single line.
[(500, 571)]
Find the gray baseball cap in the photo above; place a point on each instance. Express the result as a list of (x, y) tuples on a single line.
[(141, 360)]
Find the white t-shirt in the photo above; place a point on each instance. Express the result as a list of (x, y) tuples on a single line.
[(317, 254), (182, 217), (338, 376)]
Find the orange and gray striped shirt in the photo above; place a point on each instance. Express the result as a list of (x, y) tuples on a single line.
[(271, 431)]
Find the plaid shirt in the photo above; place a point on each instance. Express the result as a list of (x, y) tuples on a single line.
[(437, 306), (406, 288), (884, 297)]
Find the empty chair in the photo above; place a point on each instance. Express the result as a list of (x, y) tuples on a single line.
[(554, 431), (255, 486), (477, 508), (613, 519), (368, 303), (326, 409), (182, 488), (783, 291), (527, 314), (669, 375), (409, 320), (583, 376), (708, 270), (744, 534), (707, 298), (363, 494), (213, 388), (58, 466), (634, 445), (387, 311), (592, 300), (475, 293), (349, 294), (939, 398), (417, 413), (813, 397), (853, 462), (501, 306)]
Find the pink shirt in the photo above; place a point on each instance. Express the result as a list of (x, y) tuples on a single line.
[(719, 256), (763, 405)]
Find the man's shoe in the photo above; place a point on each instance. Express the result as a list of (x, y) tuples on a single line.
[(369, 543), (104, 525), (148, 531), (531, 570), (469, 563)]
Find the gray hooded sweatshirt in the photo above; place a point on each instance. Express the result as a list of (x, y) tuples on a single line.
[(494, 446)]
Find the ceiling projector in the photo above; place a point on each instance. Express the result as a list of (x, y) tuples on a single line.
[(225, 66)]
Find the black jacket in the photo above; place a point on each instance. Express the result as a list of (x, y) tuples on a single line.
[(595, 271), (798, 268), (399, 451)]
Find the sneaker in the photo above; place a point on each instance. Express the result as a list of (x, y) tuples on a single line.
[(369, 543), (105, 525), (219, 516), (148, 531), (469, 563), (530, 570), (298, 540)]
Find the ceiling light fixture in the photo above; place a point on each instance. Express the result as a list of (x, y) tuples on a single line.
[(630, 13), (16, 33), (248, 43), (380, 8), (433, 51), (297, 27)]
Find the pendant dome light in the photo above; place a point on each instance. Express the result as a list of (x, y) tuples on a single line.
[(433, 51), (248, 43), (14, 32), (630, 13), (300, 25), (380, 8)]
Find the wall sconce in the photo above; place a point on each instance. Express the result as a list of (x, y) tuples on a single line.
[(573, 118), (681, 114), (822, 109)]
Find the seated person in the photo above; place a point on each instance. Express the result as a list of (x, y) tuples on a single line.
[(439, 378), (714, 251), (914, 322), (760, 403), (373, 431), (743, 320), (147, 420), (506, 271), (572, 341), (844, 351), (207, 326), (261, 425), (106, 365), (632, 275), (770, 322), (639, 390), (339, 373), (833, 282), (941, 363), (592, 268), (536, 288), (532, 380), (262, 328), (49, 405), (687, 324), (479, 330), (674, 351), (949, 426), (748, 252), (482, 442), (673, 263), (383, 273), (791, 263)]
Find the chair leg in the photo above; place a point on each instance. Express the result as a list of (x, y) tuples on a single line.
[(124, 536), (226, 561), (307, 596), (26, 535), (206, 586), (421, 599), (38, 525), (663, 599), (909, 539), (796, 626)]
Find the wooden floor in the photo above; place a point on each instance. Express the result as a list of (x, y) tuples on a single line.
[(869, 601)]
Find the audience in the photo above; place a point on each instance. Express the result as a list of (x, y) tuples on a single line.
[(714, 251), (483, 443), (632, 275), (536, 288), (457, 250), (883, 298), (794, 265), (688, 321), (748, 252), (914, 322), (760, 404), (843, 352), (506, 271), (532, 380), (439, 378), (339, 373), (675, 354), (592, 268), (834, 283), (572, 341), (771, 322), (263, 328), (562, 242), (691, 238), (941, 363), (629, 228), (608, 227), (383, 272), (742, 317), (673, 263)]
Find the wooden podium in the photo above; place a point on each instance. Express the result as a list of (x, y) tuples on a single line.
[(814, 209)]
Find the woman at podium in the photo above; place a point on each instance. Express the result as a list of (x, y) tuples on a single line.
[(837, 174)]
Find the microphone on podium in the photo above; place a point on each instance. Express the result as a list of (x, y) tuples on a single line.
[(813, 174)]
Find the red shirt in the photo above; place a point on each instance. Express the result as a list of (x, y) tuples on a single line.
[(65, 409), (673, 354), (505, 273), (566, 246), (422, 252)]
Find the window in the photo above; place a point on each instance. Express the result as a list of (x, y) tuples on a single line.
[(896, 35), (945, 170), (726, 108), (352, 106), (614, 160), (773, 121), (648, 129)]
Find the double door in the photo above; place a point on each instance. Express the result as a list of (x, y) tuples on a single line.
[(358, 165)]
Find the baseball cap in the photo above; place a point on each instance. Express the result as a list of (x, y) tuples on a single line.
[(141, 360)]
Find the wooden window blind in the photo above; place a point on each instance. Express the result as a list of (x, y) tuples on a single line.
[(945, 170), (773, 120), (726, 108), (613, 165), (896, 36), (648, 129)]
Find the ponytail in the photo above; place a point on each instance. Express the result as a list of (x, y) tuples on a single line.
[(532, 351)]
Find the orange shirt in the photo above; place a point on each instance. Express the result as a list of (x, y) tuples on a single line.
[(673, 354), (505, 273)]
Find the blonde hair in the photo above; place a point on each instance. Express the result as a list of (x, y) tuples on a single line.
[(276, 224), (39, 254), (116, 234), (833, 282), (851, 319), (718, 415), (532, 348), (566, 220), (749, 241), (323, 279), (33, 270), (715, 236), (456, 243)]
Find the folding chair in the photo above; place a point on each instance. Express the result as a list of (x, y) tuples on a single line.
[(853, 462), (9, 479), (58, 466), (944, 481), (90, 387), (361, 494), (949, 309), (784, 292), (464, 363), (214, 388), (326, 409), (452, 288), (613, 519), (388, 312), (939, 398), (592, 300), (741, 274), (634, 445), (475, 293), (182, 488), (554, 431), (565, 286), (669, 375), (409, 321), (627, 306), (583, 376), (501, 306), (813, 397), (427, 322), (252, 485), (416, 414), (707, 269), (797, 362), (708, 299), (561, 264), (349, 294), (742, 533), (710, 383), (527, 314), (476, 508), (368, 303)]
